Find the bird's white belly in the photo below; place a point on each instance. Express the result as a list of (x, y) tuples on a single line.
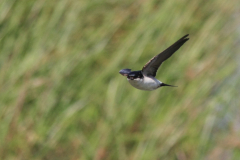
[(145, 83)]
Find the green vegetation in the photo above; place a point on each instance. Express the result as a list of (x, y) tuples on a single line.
[(61, 96)]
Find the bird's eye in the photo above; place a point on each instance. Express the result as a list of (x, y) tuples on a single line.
[(131, 77)]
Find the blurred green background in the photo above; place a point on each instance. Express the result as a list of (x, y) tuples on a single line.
[(61, 96)]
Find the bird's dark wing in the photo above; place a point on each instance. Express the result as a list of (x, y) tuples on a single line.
[(150, 69)]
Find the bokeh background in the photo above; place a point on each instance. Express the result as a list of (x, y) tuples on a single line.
[(61, 96)]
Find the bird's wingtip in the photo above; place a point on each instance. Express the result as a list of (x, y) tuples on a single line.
[(186, 37)]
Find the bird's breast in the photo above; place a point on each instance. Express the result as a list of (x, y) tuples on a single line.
[(145, 83)]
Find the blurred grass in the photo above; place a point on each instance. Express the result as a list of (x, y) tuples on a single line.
[(61, 96)]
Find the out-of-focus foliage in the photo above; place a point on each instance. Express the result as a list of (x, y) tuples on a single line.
[(61, 96)]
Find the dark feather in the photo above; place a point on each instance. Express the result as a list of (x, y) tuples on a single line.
[(150, 69), (135, 74), (163, 84)]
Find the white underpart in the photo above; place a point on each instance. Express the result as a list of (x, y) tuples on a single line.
[(146, 83)]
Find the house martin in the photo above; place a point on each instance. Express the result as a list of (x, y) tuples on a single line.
[(145, 78)]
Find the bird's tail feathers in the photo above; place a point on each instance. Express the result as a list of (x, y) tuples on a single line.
[(163, 84)]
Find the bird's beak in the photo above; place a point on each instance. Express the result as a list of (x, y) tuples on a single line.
[(125, 72)]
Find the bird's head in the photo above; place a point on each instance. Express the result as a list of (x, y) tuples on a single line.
[(125, 72), (134, 75)]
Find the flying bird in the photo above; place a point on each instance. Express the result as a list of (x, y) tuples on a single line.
[(145, 78)]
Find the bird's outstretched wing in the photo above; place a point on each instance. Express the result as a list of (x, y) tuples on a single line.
[(150, 69)]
